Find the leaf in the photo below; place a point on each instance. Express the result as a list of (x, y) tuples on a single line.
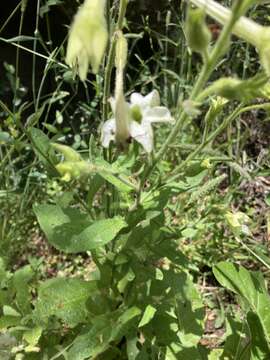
[(20, 281), (249, 286), (32, 336), (64, 298), (185, 324), (42, 147), (148, 315), (71, 231), (177, 352), (259, 347), (7, 321), (115, 176), (236, 338), (132, 349), (105, 329), (95, 184)]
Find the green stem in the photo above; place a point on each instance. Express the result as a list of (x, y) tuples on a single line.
[(207, 70), (238, 111), (108, 76), (110, 59)]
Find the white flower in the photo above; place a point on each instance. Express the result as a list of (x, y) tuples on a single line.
[(88, 37), (142, 111)]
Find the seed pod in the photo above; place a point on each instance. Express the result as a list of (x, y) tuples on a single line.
[(197, 33)]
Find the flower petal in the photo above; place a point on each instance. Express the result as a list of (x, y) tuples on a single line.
[(157, 114), (136, 99), (143, 134), (108, 132), (150, 100)]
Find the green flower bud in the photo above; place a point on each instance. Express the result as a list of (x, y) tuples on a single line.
[(241, 90), (245, 28), (74, 169), (87, 38), (197, 33), (238, 222), (69, 153)]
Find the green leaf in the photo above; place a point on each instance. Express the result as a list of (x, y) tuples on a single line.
[(20, 282), (148, 315), (132, 349), (177, 291), (95, 184), (259, 347), (7, 321), (177, 352), (236, 339), (249, 286), (105, 329), (72, 232), (32, 336), (115, 176), (64, 298)]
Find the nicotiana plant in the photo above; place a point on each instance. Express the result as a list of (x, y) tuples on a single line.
[(141, 300)]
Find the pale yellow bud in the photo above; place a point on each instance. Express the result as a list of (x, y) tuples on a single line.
[(69, 153), (74, 169), (87, 38)]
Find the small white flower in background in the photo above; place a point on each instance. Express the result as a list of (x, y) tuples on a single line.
[(88, 37), (142, 112)]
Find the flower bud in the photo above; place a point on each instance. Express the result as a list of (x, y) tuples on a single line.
[(121, 107), (87, 38), (245, 28), (69, 153), (197, 33), (121, 51), (242, 90), (74, 169), (238, 222)]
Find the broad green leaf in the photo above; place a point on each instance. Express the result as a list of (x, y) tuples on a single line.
[(115, 176), (132, 349), (41, 145), (177, 352), (259, 347), (5, 138), (65, 299), (249, 286), (7, 321), (20, 281), (95, 184), (236, 338), (177, 291), (72, 232), (105, 329), (32, 336), (148, 315), (128, 277)]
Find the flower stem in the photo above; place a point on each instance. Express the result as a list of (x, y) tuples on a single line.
[(107, 78), (228, 120), (110, 59), (207, 70)]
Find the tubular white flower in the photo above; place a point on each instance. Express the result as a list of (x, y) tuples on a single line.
[(247, 29), (147, 110), (88, 37)]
